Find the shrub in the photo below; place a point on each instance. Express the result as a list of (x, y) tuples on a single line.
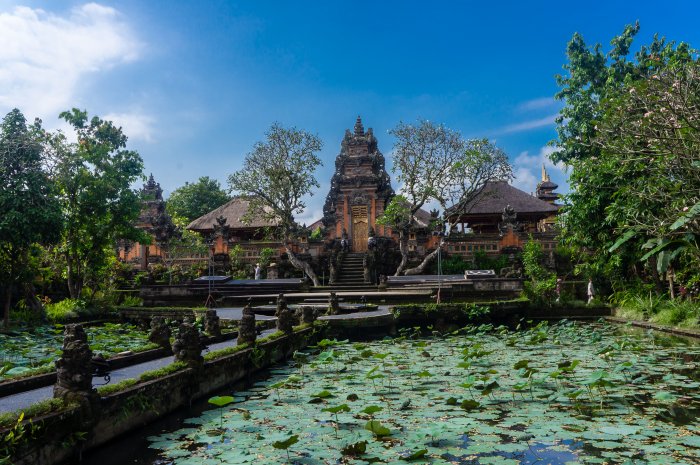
[(65, 310)]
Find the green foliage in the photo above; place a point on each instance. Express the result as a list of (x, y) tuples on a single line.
[(540, 289), (456, 264), (215, 354), (276, 177), (94, 176), (109, 389), (43, 407), (189, 202), (625, 133), (30, 212)]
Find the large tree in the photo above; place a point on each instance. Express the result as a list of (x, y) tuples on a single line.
[(189, 202), (592, 78), (651, 129), (276, 177), (435, 164), (29, 213), (95, 175)]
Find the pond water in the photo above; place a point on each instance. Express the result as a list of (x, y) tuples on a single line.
[(567, 393), (38, 347)]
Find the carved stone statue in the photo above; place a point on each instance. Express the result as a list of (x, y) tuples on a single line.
[(333, 306), (308, 314), (74, 371), (160, 332), (246, 328), (188, 346), (212, 323), (509, 220), (285, 318)]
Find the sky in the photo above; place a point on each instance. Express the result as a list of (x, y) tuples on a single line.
[(195, 84)]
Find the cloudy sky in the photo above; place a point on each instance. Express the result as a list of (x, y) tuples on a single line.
[(196, 84)]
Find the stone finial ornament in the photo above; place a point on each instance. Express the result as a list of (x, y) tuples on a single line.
[(333, 305), (74, 371), (246, 328), (212, 323), (160, 332), (285, 319), (188, 346)]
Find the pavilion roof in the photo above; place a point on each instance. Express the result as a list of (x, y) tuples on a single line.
[(234, 210), (496, 195)]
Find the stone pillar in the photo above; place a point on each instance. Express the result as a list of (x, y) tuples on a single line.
[(308, 314), (272, 272), (212, 323), (74, 371), (188, 346), (160, 332), (285, 319), (333, 306), (246, 328)]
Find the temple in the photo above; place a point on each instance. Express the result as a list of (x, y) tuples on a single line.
[(360, 190), (500, 219)]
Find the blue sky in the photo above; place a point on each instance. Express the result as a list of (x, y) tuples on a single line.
[(196, 84)]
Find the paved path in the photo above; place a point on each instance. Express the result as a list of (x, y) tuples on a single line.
[(25, 399)]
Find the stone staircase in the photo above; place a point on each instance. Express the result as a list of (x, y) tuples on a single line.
[(351, 271)]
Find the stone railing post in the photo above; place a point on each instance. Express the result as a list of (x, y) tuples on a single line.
[(246, 328), (188, 346), (212, 324), (285, 319), (74, 372), (160, 333)]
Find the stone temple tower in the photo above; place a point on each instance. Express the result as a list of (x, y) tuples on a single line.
[(360, 190)]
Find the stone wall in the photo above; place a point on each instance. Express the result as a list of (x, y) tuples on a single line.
[(61, 439)]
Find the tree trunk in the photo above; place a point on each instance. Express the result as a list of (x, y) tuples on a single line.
[(424, 264), (302, 265), (74, 281), (403, 248)]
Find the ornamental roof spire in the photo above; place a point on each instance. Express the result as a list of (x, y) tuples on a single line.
[(359, 129)]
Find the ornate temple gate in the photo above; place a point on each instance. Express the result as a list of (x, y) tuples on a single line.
[(360, 228)]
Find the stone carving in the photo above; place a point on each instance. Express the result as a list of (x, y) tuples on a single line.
[(246, 328), (160, 332), (285, 318), (333, 305), (308, 314), (74, 371), (188, 346), (509, 220), (212, 323)]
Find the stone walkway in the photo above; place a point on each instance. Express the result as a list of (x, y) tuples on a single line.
[(27, 398)]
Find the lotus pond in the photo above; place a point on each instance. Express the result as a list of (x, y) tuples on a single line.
[(35, 350), (566, 393)]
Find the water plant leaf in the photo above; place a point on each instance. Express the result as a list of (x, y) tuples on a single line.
[(220, 401), (413, 455), (322, 394), (372, 409), (337, 409), (377, 428), (287, 443), (354, 449)]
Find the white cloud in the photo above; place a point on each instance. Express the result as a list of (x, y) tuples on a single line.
[(527, 125), (134, 125), (536, 104), (524, 179), (44, 57)]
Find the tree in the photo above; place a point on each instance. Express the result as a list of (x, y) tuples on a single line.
[(189, 202), (436, 164), (589, 221), (94, 176), (652, 131), (276, 176), (30, 213)]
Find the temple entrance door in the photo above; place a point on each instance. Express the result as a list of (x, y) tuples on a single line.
[(360, 230)]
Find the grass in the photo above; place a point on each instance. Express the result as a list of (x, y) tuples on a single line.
[(659, 310), (144, 377), (213, 355), (46, 406)]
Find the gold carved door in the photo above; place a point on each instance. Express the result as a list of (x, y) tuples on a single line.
[(360, 229)]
